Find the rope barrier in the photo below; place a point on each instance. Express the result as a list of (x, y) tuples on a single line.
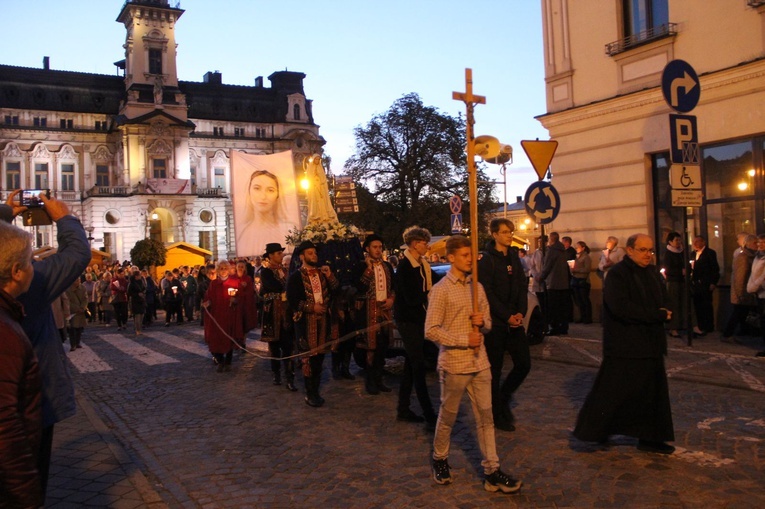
[(309, 353)]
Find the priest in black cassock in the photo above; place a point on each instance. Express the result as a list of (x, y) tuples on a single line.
[(630, 395)]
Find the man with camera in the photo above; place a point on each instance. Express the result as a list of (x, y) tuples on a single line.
[(52, 277)]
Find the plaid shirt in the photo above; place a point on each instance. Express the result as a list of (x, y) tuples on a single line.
[(448, 324)]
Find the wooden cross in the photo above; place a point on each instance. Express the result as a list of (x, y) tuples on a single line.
[(470, 101)]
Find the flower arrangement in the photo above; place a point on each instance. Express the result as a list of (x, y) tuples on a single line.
[(319, 233)]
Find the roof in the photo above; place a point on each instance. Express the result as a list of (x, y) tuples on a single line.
[(185, 246)]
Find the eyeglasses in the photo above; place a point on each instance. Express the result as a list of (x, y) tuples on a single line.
[(644, 250)]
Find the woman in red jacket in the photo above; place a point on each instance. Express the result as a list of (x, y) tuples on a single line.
[(224, 321)]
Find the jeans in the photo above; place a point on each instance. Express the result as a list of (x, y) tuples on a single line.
[(478, 387)]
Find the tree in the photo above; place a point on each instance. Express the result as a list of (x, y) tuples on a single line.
[(413, 157), (147, 253)]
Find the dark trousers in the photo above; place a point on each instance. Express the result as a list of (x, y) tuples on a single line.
[(188, 306), (705, 313), (92, 307), (737, 317), (413, 336), (120, 313), (173, 308), (557, 309), (43, 460), (581, 291), (281, 349), (513, 340)]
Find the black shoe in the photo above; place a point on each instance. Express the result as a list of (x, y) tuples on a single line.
[(380, 385), (291, 386), (500, 481), (371, 387), (408, 416), (441, 472), (760, 354), (344, 373), (657, 447), (167, 324), (314, 401), (277, 379), (504, 424)]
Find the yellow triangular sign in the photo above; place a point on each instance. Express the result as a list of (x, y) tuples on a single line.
[(540, 154)]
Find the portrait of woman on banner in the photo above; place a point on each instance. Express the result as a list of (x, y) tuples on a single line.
[(264, 213)]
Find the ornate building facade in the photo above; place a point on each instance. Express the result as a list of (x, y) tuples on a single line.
[(145, 154)]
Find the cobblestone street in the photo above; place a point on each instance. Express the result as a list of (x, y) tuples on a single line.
[(158, 427)]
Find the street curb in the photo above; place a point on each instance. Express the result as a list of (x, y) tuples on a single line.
[(539, 353), (134, 474)]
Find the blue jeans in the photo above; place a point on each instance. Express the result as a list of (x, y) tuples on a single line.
[(478, 387)]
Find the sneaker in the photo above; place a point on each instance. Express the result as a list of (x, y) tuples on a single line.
[(760, 354), (657, 447), (500, 481), (441, 472)]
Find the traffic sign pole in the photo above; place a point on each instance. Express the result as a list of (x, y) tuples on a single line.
[(681, 88)]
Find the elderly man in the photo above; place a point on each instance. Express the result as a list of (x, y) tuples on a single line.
[(630, 395), (52, 277), (20, 384)]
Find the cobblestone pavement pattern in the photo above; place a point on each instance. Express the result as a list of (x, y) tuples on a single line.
[(158, 427)]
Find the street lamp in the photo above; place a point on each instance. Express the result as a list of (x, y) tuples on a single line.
[(504, 158)]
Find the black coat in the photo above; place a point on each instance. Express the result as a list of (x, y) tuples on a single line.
[(504, 282), (633, 318), (411, 299), (706, 270)]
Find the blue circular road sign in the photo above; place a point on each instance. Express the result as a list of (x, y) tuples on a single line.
[(680, 86), (542, 202)]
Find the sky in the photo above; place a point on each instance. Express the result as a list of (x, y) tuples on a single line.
[(359, 56)]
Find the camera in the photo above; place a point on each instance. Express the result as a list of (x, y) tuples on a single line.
[(30, 198)]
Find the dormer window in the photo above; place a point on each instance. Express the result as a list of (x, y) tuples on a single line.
[(296, 112)]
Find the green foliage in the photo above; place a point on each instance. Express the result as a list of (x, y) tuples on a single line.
[(409, 161), (147, 253)]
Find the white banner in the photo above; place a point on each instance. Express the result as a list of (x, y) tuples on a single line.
[(264, 196)]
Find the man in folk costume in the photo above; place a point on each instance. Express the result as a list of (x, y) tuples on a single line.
[(309, 291), (277, 329), (374, 305)]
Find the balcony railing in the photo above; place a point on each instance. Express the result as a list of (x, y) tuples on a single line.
[(211, 192), (644, 37), (109, 191)]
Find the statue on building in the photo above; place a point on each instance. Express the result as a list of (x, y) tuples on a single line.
[(320, 208), (158, 90)]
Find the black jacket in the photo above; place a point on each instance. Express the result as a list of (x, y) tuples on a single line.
[(706, 270), (633, 321), (504, 283), (411, 299), (555, 271)]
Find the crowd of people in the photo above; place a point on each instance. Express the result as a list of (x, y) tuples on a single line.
[(306, 313)]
